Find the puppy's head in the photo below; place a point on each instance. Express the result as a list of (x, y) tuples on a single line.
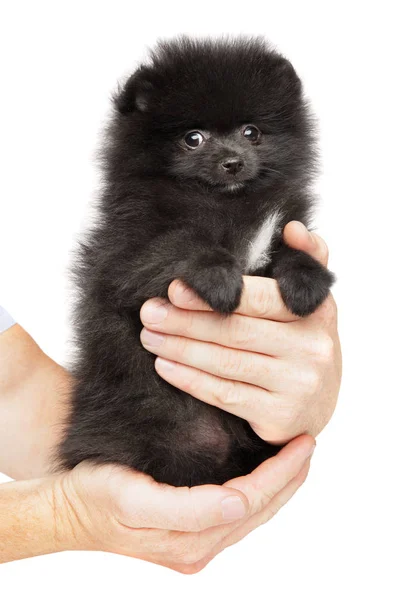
[(228, 113)]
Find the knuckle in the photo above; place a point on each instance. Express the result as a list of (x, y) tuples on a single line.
[(193, 384), (260, 301), (241, 331), (229, 362), (226, 393), (311, 381), (285, 410), (180, 345), (266, 500), (188, 324), (325, 349)]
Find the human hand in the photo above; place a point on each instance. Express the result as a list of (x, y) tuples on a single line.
[(114, 509), (279, 372), (109, 507)]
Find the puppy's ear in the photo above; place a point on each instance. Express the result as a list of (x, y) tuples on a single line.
[(287, 74), (134, 94)]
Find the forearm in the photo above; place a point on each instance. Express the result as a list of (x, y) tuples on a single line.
[(32, 520), (32, 389)]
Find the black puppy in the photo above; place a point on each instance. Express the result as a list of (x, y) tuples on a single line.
[(209, 153)]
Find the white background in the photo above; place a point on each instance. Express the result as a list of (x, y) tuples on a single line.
[(59, 63)]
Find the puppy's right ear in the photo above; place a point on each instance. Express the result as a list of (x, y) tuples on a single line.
[(134, 94)]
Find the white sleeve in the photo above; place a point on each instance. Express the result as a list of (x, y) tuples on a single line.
[(6, 320)]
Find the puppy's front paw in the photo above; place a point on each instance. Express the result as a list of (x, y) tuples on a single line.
[(216, 277), (304, 284)]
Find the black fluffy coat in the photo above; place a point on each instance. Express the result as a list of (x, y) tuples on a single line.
[(187, 207)]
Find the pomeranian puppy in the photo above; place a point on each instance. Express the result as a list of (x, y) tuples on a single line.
[(210, 151)]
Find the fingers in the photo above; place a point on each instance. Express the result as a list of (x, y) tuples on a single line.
[(280, 499), (267, 489), (228, 363), (270, 415), (263, 484), (180, 527), (236, 331), (260, 298), (297, 236), (142, 502), (146, 503)]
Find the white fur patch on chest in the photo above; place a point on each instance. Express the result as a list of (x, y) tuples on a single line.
[(258, 252)]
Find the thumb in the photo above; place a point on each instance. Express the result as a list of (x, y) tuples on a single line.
[(142, 502), (297, 236)]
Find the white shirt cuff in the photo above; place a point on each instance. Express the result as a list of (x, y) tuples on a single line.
[(6, 320)]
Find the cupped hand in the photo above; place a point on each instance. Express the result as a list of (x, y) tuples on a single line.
[(279, 372), (114, 509)]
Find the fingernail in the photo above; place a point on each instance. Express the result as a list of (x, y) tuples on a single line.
[(154, 312), (164, 365), (233, 508), (149, 338), (183, 293)]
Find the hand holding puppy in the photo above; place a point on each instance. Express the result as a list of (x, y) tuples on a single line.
[(279, 372)]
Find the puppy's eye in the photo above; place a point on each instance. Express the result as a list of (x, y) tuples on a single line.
[(251, 133), (194, 139)]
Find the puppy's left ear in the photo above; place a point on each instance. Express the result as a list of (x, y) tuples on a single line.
[(135, 94), (287, 74)]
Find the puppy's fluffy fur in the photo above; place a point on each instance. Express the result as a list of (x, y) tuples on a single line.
[(209, 153)]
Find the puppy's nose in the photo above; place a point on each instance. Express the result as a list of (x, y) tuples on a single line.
[(233, 165)]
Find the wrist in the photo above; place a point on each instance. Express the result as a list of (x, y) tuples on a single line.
[(70, 527), (74, 514), (33, 520)]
